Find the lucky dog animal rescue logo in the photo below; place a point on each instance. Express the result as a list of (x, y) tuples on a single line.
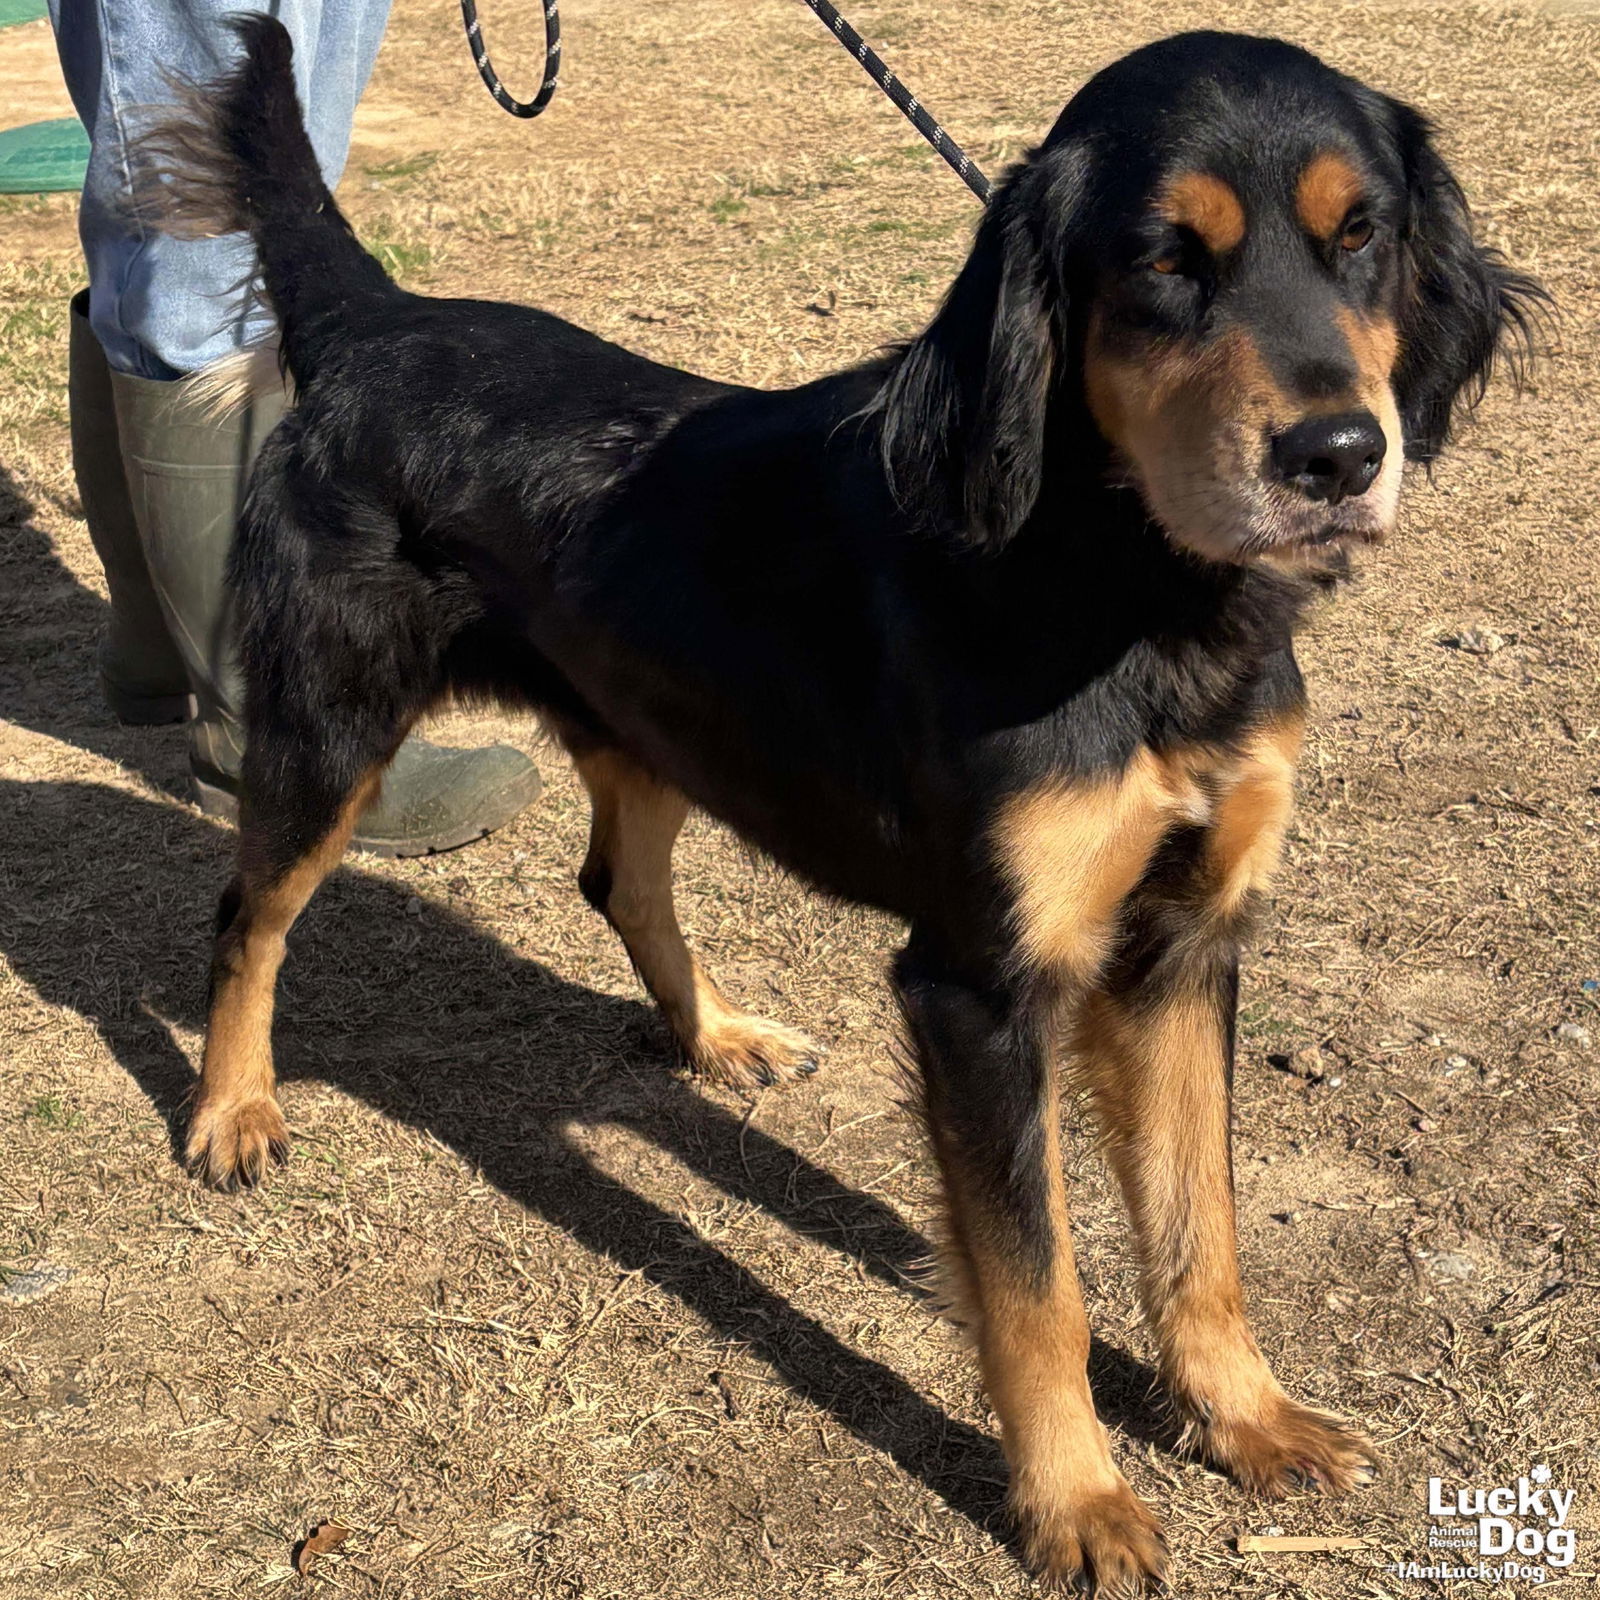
[(1515, 1531)]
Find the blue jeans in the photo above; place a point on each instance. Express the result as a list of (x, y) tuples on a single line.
[(165, 307)]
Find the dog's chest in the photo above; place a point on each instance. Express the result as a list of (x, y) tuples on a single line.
[(1072, 850)]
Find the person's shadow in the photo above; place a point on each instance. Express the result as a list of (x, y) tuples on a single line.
[(109, 900)]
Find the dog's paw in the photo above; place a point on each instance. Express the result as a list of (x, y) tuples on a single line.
[(740, 1051), (1107, 1545), (231, 1144), (1289, 1447)]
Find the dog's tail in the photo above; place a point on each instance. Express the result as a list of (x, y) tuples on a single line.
[(234, 157)]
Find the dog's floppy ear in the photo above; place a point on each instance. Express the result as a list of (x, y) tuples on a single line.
[(1464, 306), (963, 410)]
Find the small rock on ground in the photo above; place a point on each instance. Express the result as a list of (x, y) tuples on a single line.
[(23, 1288), (1479, 641)]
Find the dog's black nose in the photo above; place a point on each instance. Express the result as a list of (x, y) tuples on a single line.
[(1330, 458)]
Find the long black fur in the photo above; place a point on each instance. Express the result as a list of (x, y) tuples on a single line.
[(851, 619), (845, 617)]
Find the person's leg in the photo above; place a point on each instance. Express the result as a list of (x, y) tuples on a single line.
[(166, 311), (165, 307), (141, 673)]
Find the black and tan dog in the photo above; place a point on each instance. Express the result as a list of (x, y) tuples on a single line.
[(992, 632)]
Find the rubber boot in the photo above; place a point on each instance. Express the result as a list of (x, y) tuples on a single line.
[(186, 468), (141, 673)]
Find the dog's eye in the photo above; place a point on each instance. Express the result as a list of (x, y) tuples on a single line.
[(1171, 262), (1357, 235)]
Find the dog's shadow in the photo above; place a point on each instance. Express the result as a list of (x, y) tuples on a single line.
[(111, 898)]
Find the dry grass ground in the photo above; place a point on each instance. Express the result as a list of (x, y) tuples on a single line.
[(533, 1316)]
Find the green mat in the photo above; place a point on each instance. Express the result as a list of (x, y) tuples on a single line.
[(20, 11), (42, 157)]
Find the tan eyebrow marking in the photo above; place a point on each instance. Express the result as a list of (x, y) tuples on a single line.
[(1328, 187), (1208, 205)]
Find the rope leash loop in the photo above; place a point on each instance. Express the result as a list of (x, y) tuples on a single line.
[(552, 61)]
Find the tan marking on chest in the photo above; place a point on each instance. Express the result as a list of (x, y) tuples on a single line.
[(1074, 850), (1246, 838)]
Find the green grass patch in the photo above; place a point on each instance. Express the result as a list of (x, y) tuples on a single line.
[(410, 167), (50, 278), (51, 1111), (31, 321), (918, 229), (400, 258), (1258, 1021), (22, 205)]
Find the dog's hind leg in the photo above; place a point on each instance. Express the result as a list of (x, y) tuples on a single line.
[(287, 847), (627, 877), (989, 1096), (342, 647)]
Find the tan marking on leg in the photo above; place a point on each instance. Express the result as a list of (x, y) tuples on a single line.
[(1158, 1080), (1206, 204), (1246, 837), (1073, 850), (634, 826), (236, 1127), (1075, 1511), (1327, 189)]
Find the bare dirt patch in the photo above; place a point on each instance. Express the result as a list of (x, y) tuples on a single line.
[(529, 1314)]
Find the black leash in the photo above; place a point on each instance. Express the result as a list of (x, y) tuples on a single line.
[(552, 61), (871, 62)]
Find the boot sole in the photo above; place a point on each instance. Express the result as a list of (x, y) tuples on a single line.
[(216, 801)]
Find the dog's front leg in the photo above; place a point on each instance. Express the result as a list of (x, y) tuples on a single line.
[(1155, 1046), (1156, 1057), (992, 1114)]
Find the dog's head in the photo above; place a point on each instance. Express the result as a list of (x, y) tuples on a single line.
[(1257, 278)]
